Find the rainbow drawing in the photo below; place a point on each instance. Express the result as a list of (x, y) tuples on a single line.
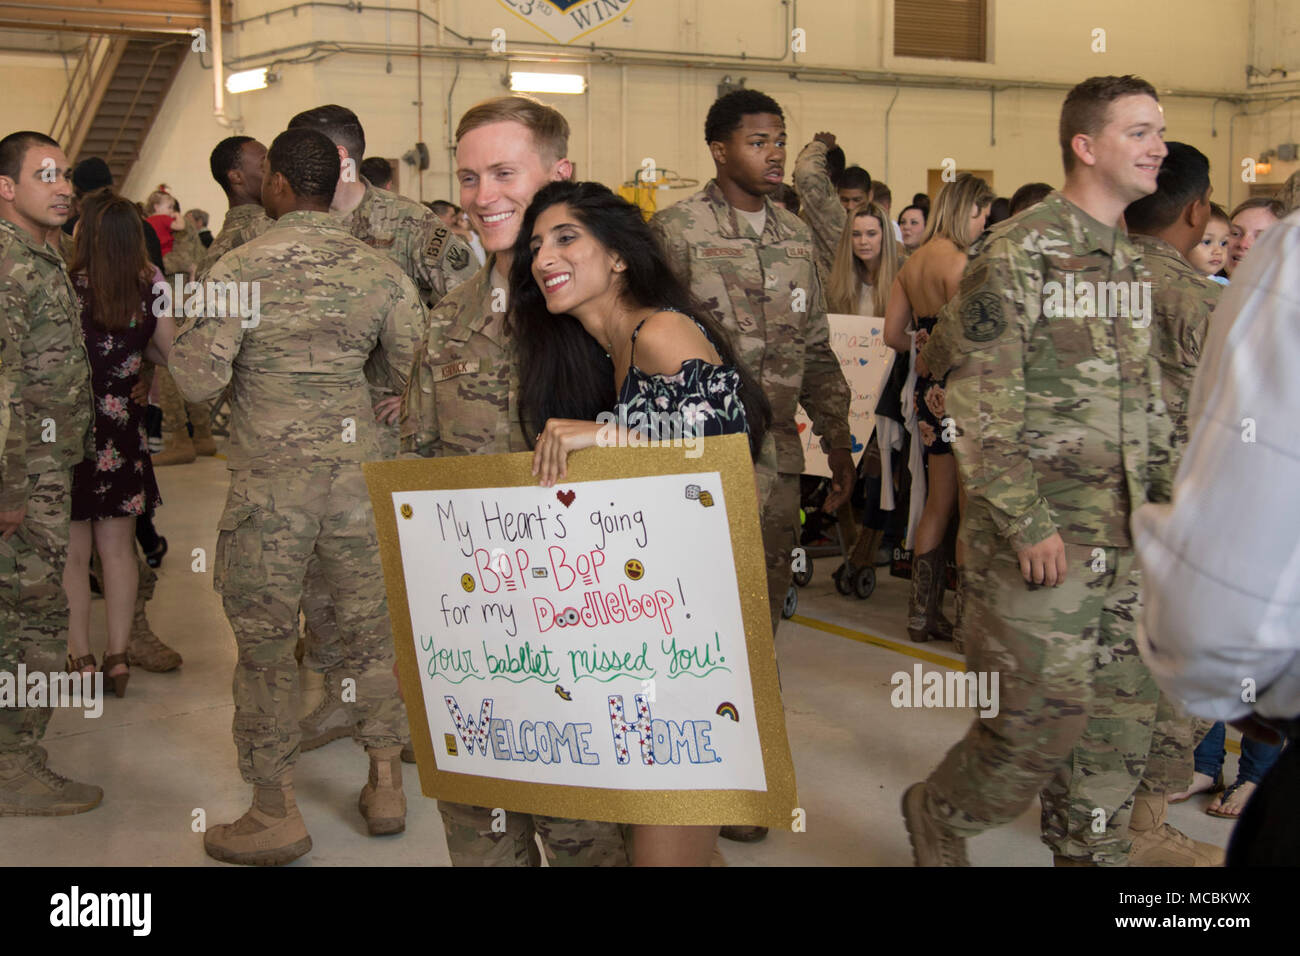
[(728, 709)]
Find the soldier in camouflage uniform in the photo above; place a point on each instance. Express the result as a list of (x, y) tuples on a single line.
[(819, 204), (462, 399), (1165, 227), (236, 164), (1060, 432), (334, 317), (45, 381), (751, 263), (436, 261), (760, 282)]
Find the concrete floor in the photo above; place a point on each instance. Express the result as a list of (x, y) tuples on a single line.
[(164, 752)]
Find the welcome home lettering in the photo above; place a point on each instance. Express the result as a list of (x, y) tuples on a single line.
[(662, 742)]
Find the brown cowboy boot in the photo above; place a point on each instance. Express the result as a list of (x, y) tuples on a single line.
[(940, 627), (926, 570)]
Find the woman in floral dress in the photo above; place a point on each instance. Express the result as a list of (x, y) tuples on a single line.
[(602, 325), (112, 277)]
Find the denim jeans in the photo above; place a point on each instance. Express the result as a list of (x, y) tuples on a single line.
[(1256, 758)]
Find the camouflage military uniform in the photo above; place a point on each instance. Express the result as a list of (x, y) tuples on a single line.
[(333, 316), (242, 223), (45, 377), (1182, 302), (437, 262), (755, 286), (819, 206), (412, 236), (1060, 428), (187, 252), (462, 399)]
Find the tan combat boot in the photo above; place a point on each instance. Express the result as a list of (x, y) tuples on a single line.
[(933, 844), (145, 650), (28, 788), (271, 833), (382, 802), (1157, 843), (201, 418), (331, 718)]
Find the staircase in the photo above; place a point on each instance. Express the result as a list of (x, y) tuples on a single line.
[(115, 91)]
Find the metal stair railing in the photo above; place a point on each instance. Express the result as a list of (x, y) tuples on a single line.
[(135, 98), (86, 87)]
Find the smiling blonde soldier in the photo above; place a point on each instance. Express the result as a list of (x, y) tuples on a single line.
[(462, 399)]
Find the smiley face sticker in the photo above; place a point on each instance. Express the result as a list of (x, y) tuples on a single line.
[(467, 582), (634, 569)]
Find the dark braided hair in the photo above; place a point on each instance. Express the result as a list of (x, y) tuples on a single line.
[(308, 160)]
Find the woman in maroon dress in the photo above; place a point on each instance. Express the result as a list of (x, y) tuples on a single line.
[(112, 276)]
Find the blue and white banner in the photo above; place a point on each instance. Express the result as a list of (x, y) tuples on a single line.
[(566, 20)]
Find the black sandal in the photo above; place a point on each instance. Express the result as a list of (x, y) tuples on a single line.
[(1226, 796)]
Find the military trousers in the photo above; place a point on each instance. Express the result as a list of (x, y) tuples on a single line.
[(1173, 746), (481, 836), (172, 403), (780, 528), (274, 522), (33, 605), (1076, 703), (322, 648)]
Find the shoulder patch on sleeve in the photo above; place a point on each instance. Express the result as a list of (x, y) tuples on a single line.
[(458, 255), (437, 239), (981, 316)]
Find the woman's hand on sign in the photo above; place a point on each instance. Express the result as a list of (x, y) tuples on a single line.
[(560, 437)]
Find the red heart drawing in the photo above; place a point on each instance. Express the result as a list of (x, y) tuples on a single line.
[(566, 497), (802, 426)]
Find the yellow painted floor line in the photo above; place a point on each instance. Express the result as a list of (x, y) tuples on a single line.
[(862, 637)]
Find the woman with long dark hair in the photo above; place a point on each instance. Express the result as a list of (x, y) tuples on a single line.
[(602, 324), (113, 278)]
